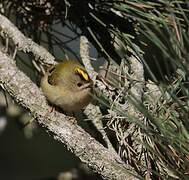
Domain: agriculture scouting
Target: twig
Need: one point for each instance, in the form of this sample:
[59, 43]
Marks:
[84, 53]
[23, 43]
[138, 73]
[93, 112]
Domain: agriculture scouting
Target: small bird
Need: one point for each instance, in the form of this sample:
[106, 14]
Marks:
[67, 85]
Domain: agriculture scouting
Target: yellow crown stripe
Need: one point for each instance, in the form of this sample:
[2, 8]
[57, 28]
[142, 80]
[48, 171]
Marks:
[82, 73]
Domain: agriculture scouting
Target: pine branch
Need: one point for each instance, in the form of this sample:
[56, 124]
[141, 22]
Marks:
[28, 95]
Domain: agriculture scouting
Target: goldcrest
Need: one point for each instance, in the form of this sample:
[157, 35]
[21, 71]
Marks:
[67, 85]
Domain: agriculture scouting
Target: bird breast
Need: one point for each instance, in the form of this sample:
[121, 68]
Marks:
[74, 101]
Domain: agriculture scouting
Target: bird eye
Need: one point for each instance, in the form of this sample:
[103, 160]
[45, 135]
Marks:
[79, 84]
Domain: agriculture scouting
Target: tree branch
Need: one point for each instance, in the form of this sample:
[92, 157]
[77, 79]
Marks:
[23, 43]
[93, 112]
